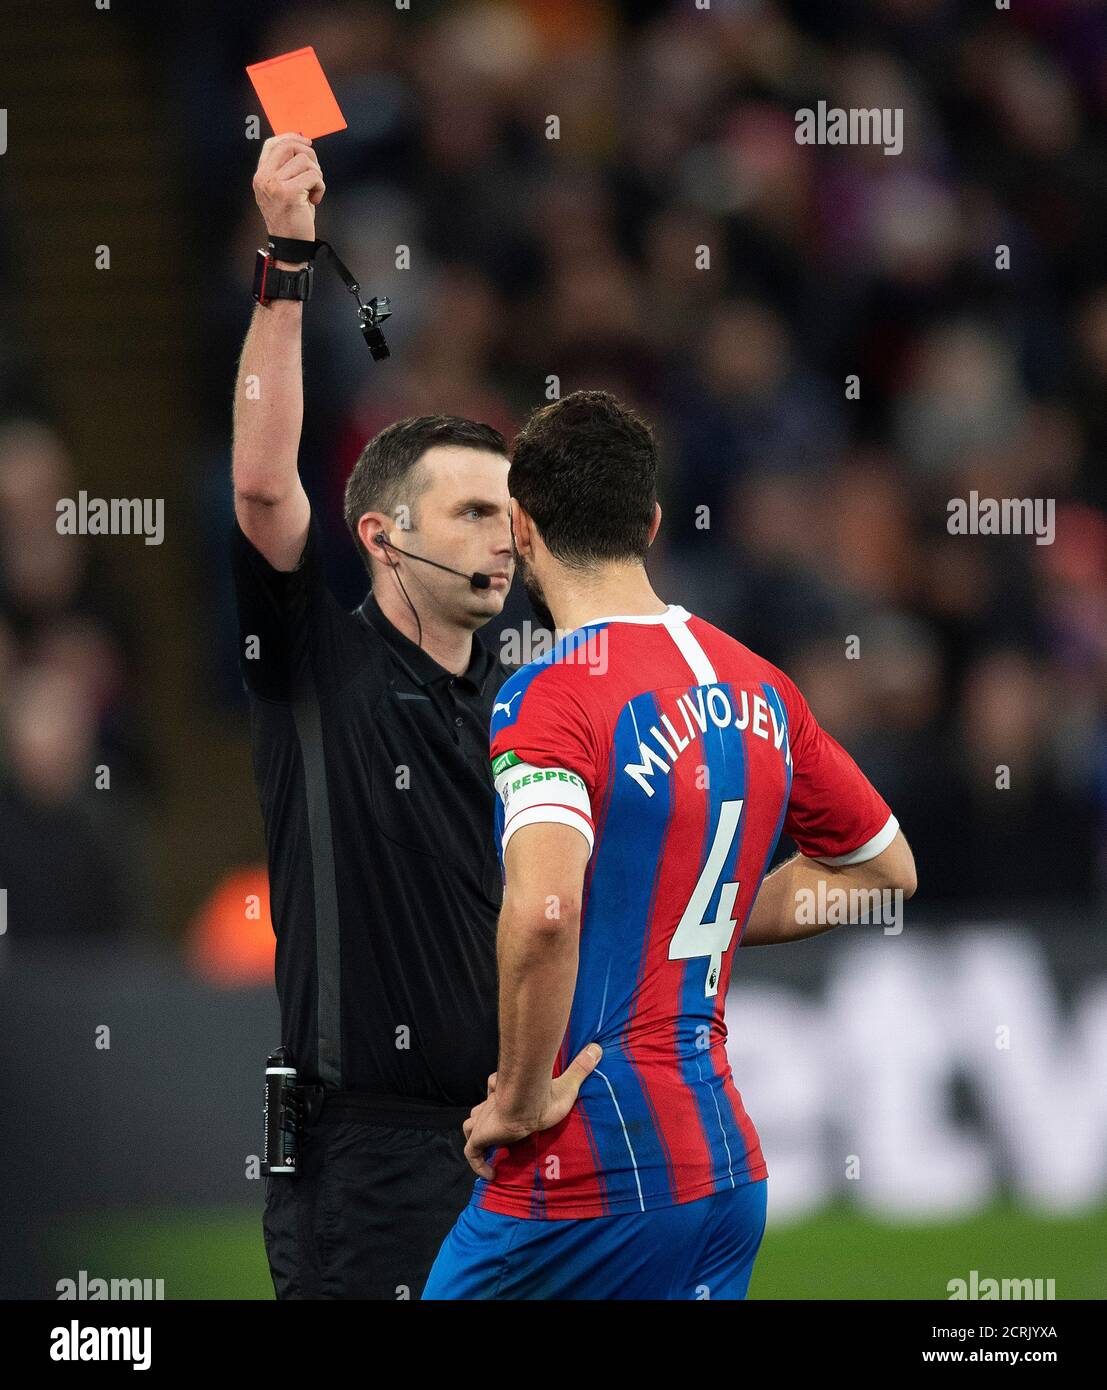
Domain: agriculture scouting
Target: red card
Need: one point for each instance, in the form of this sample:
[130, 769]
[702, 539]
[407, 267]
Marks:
[295, 94]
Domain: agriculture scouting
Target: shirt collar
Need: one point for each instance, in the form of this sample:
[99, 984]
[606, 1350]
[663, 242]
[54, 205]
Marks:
[673, 613]
[421, 664]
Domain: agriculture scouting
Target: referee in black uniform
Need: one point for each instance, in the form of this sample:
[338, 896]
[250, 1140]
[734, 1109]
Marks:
[370, 741]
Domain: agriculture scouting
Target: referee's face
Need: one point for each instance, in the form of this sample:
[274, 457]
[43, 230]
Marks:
[463, 522]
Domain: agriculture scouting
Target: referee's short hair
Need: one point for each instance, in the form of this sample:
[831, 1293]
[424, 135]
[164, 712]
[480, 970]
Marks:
[585, 470]
[387, 475]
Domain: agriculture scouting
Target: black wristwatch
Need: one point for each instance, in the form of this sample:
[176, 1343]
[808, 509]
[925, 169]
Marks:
[270, 282]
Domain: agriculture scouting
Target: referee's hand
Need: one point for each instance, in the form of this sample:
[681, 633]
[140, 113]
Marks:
[488, 1127]
[288, 186]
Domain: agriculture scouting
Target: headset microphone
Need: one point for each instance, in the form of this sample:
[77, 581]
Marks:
[477, 579]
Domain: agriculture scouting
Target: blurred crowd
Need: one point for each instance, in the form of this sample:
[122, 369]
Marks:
[676, 245]
[74, 771]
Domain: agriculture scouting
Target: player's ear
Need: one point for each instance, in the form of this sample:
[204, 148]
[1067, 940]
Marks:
[522, 530]
[655, 524]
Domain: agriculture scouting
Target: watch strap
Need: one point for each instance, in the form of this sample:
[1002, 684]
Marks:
[286, 248]
[270, 282]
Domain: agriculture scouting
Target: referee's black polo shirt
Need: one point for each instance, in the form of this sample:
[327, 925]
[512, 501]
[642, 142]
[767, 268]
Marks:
[372, 767]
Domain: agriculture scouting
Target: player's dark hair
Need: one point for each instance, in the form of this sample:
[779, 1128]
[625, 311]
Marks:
[585, 470]
[387, 474]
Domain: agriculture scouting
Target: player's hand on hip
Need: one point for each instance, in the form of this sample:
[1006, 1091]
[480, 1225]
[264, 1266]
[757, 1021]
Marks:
[288, 186]
[565, 1088]
[488, 1127]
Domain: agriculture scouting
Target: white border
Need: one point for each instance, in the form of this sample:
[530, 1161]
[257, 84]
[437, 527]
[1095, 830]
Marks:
[869, 850]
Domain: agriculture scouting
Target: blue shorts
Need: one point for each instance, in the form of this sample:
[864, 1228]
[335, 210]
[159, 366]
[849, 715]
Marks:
[695, 1250]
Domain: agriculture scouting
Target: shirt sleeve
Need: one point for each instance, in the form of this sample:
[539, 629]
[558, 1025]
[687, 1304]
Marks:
[835, 814]
[544, 755]
[280, 614]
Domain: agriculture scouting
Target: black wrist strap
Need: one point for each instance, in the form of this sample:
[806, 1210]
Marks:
[370, 316]
[286, 248]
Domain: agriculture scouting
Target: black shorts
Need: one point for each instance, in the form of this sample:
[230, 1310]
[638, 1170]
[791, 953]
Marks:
[372, 1203]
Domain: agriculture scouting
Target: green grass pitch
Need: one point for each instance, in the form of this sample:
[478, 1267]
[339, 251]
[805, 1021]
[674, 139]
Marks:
[837, 1254]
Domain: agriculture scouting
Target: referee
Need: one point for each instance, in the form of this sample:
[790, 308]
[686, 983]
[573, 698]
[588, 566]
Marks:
[370, 745]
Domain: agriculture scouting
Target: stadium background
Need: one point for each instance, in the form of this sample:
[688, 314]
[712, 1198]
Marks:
[826, 519]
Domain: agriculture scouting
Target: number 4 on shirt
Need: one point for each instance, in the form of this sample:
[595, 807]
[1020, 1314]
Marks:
[695, 937]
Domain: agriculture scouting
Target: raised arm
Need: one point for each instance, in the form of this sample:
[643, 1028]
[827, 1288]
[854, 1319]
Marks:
[269, 499]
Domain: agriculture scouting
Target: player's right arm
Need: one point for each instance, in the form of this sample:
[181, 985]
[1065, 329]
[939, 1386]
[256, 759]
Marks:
[269, 500]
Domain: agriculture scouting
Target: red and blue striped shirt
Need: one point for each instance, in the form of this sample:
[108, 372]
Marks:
[679, 754]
